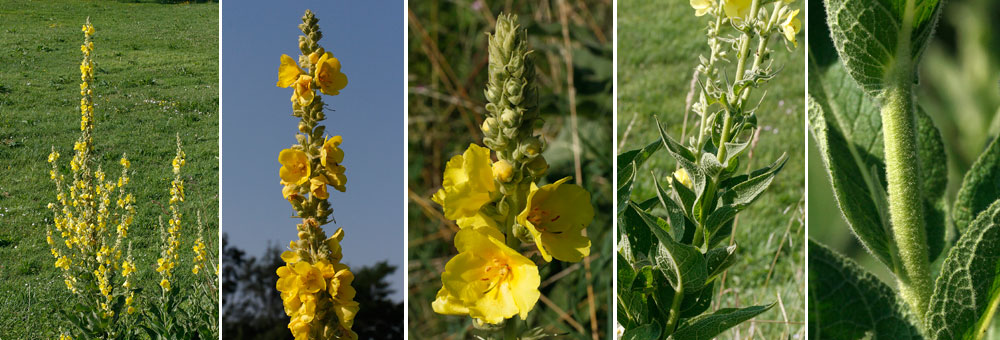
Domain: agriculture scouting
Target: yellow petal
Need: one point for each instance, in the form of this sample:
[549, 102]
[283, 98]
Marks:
[288, 71]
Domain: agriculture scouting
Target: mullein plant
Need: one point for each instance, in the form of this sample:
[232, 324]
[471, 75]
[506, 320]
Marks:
[499, 207]
[89, 237]
[315, 286]
[177, 313]
[668, 263]
[887, 164]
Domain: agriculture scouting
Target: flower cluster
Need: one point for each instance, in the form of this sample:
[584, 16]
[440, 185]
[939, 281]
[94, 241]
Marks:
[498, 205]
[315, 286]
[171, 235]
[90, 230]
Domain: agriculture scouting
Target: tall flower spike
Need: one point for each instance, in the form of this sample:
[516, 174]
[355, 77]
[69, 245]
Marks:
[315, 287]
[89, 232]
[513, 98]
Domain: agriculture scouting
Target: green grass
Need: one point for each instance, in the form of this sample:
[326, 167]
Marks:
[439, 129]
[156, 75]
[659, 44]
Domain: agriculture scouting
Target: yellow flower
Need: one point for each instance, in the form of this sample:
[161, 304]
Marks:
[736, 9]
[487, 280]
[295, 167]
[468, 182]
[289, 191]
[701, 7]
[346, 312]
[791, 26]
[503, 171]
[681, 175]
[328, 75]
[165, 284]
[556, 215]
[288, 71]
[290, 256]
[303, 94]
[476, 220]
[317, 187]
[331, 155]
[299, 328]
[63, 262]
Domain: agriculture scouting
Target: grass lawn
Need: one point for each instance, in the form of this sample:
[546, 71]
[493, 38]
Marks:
[156, 75]
[659, 44]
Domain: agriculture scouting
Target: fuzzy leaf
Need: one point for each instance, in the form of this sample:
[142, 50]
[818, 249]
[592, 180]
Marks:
[675, 214]
[847, 302]
[742, 194]
[650, 331]
[969, 283]
[628, 164]
[635, 229]
[719, 259]
[980, 187]
[869, 34]
[681, 264]
[706, 327]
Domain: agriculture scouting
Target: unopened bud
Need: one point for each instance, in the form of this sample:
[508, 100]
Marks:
[509, 117]
[503, 171]
[522, 233]
[303, 127]
[538, 166]
[487, 123]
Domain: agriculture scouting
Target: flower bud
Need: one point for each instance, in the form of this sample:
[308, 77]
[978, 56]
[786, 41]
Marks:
[522, 233]
[503, 171]
[303, 127]
[487, 123]
[509, 117]
[538, 166]
[531, 147]
[303, 235]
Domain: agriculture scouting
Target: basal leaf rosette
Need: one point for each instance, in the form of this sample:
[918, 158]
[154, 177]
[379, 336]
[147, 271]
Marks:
[487, 280]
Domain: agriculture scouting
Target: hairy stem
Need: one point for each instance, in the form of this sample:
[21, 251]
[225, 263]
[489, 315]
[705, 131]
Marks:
[903, 175]
[675, 310]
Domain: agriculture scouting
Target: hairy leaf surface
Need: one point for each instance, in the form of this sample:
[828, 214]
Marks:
[980, 187]
[846, 302]
[869, 34]
[969, 276]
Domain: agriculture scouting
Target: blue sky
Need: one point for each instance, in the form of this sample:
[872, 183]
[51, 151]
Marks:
[367, 37]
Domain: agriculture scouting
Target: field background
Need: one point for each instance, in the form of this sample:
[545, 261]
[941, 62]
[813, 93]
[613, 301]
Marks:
[959, 77]
[156, 75]
[447, 74]
[659, 43]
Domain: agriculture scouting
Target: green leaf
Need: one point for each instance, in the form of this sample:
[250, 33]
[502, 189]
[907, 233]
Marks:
[650, 331]
[980, 187]
[847, 302]
[850, 181]
[719, 259]
[706, 327]
[698, 302]
[626, 178]
[742, 194]
[635, 229]
[685, 159]
[628, 164]
[870, 34]
[968, 283]
[682, 264]
[633, 300]
[675, 214]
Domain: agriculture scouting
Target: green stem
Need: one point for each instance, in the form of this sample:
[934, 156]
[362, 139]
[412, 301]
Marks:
[902, 168]
[986, 321]
[905, 206]
[675, 310]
